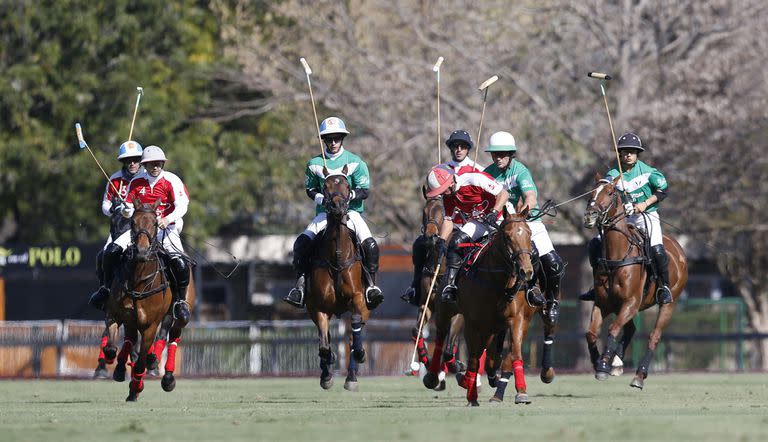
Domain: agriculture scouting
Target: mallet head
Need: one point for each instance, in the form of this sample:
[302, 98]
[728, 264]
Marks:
[488, 82]
[306, 66]
[415, 365]
[436, 67]
[80, 139]
[599, 75]
[140, 90]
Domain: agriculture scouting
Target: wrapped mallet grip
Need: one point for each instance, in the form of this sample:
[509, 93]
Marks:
[599, 75]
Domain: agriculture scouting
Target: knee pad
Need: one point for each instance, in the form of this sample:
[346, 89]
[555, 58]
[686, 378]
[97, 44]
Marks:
[371, 254]
[553, 264]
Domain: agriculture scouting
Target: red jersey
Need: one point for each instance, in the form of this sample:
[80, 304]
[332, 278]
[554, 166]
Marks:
[120, 182]
[475, 194]
[464, 166]
[167, 187]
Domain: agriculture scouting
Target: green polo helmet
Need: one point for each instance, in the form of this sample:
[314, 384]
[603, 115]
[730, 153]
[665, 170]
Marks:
[501, 142]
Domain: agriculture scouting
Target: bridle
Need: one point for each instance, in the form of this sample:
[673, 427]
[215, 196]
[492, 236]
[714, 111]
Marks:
[136, 232]
[604, 220]
[435, 222]
[338, 210]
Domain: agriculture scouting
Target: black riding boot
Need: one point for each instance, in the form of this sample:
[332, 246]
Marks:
[554, 268]
[180, 271]
[110, 258]
[418, 256]
[373, 295]
[661, 261]
[301, 249]
[453, 262]
[594, 247]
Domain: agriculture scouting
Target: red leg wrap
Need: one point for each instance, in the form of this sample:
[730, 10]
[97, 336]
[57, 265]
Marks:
[104, 340]
[137, 382]
[517, 367]
[159, 347]
[151, 348]
[421, 348]
[437, 355]
[170, 362]
[471, 380]
[481, 368]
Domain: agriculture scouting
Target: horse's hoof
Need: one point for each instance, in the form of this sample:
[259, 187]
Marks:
[601, 376]
[359, 356]
[473, 403]
[119, 373]
[350, 385]
[132, 397]
[493, 380]
[101, 373]
[617, 366]
[430, 380]
[522, 398]
[326, 383]
[637, 383]
[548, 375]
[496, 399]
[617, 371]
[168, 382]
[440, 386]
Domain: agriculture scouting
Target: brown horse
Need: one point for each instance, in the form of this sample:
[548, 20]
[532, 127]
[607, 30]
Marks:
[336, 281]
[142, 300]
[425, 260]
[623, 282]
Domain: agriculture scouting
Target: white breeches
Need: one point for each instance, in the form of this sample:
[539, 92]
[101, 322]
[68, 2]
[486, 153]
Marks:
[649, 223]
[474, 229]
[355, 222]
[109, 241]
[170, 238]
[540, 237]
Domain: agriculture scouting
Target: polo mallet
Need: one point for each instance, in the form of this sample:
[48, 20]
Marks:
[603, 78]
[483, 87]
[436, 68]
[84, 145]
[308, 71]
[135, 109]
[414, 364]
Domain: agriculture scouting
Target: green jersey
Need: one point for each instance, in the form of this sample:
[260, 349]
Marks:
[357, 173]
[516, 178]
[641, 182]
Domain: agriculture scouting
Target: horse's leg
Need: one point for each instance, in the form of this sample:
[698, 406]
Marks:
[174, 337]
[442, 326]
[503, 381]
[129, 340]
[453, 364]
[519, 330]
[156, 350]
[110, 349]
[357, 351]
[662, 320]
[417, 336]
[596, 320]
[140, 365]
[617, 365]
[493, 357]
[603, 367]
[547, 374]
[476, 344]
[327, 357]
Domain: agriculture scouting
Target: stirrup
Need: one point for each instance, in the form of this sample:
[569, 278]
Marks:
[99, 298]
[664, 295]
[410, 296]
[534, 298]
[449, 294]
[373, 297]
[178, 304]
[295, 297]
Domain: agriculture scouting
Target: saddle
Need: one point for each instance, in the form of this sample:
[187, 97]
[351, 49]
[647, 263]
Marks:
[641, 239]
[318, 261]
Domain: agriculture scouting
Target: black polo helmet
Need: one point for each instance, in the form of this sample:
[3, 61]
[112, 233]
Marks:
[457, 136]
[630, 141]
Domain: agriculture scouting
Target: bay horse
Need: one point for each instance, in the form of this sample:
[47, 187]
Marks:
[425, 262]
[623, 282]
[336, 281]
[141, 297]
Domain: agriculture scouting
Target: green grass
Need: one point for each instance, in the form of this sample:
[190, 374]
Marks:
[717, 407]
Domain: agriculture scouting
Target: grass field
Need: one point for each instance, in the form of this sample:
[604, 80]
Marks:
[717, 407]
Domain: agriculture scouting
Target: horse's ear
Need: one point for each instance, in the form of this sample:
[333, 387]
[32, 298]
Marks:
[505, 212]
[135, 201]
[424, 191]
[325, 172]
[524, 213]
[597, 177]
[344, 170]
[157, 203]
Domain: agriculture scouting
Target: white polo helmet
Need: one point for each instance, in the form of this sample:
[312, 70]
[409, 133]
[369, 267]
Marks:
[501, 142]
[333, 125]
[152, 153]
[129, 149]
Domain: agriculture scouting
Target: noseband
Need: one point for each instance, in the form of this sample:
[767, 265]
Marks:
[135, 233]
[603, 219]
